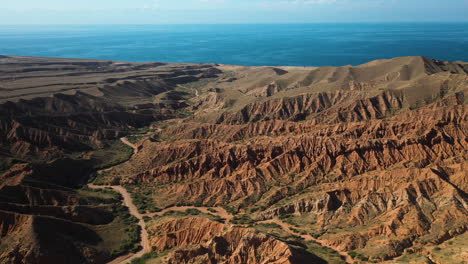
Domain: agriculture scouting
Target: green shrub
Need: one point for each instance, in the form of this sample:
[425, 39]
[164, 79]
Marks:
[133, 231]
[230, 209]
[270, 225]
[212, 210]
[285, 216]
[357, 255]
[242, 220]
[192, 211]
[143, 259]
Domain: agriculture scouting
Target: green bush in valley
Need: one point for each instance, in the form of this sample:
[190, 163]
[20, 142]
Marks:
[133, 232]
[285, 216]
[212, 210]
[143, 259]
[242, 220]
[230, 209]
[192, 211]
[357, 255]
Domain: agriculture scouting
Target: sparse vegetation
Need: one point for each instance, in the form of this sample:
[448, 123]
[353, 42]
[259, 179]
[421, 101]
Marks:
[230, 209]
[115, 153]
[216, 218]
[212, 210]
[142, 199]
[285, 216]
[328, 254]
[242, 220]
[100, 195]
[357, 255]
[270, 225]
[123, 234]
[193, 211]
[132, 230]
[7, 163]
[143, 259]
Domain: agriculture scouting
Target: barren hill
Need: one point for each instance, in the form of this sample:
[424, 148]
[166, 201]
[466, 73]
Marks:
[367, 162]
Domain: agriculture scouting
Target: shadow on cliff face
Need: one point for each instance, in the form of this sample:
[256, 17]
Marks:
[45, 219]
[65, 172]
[303, 256]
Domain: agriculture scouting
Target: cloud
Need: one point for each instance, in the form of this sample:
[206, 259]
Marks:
[211, 1]
[297, 2]
[317, 2]
[152, 5]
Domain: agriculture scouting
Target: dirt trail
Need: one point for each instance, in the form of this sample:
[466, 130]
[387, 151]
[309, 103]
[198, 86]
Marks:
[221, 212]
[128, 202]
[130, 144]
[287, 227]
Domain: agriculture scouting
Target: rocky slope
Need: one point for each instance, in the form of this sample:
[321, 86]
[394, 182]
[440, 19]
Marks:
[199, 240]
[43, 220]
[369, 159]
[51, 106]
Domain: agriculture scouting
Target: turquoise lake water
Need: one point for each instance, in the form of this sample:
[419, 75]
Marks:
[250, 44]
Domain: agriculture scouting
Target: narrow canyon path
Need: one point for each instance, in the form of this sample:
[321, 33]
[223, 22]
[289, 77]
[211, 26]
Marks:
[130, 144]
[128, 202]
[287, 227]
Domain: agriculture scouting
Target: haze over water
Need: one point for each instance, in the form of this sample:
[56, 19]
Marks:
[246, 44]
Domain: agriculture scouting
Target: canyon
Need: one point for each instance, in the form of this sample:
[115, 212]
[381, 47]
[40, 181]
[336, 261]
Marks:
[212, 163]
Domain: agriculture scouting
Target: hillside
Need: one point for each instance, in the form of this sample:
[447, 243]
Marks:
[361, 164]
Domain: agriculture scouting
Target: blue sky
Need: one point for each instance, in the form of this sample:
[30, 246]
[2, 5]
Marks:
[228, 11]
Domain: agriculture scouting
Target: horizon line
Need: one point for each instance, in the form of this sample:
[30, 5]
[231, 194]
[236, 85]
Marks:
[239, 23]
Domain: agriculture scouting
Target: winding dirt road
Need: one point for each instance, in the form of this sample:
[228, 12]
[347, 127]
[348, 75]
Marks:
[130, 144]
[287, 227]
[128, 202]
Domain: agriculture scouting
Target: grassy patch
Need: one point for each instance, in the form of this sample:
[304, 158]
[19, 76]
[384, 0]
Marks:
[122, 235]
[270, 225]
[242, 220]
[142, 198]
[411, 258]
[144, 259]
[452, 251]
[193, 212]
[328, 254]
[357, 255]
[231, 210]
[7, 163]
[273, 230]
[113, 154]
[100, 195]
[132, 231]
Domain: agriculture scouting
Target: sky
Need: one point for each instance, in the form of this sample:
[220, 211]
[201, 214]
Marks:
[228, 11]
